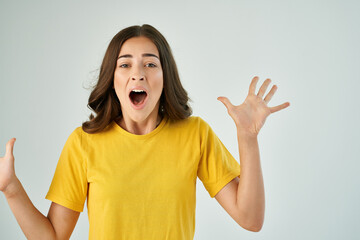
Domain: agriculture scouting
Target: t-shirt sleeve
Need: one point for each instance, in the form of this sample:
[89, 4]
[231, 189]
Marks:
[217, 166]
[69, 185]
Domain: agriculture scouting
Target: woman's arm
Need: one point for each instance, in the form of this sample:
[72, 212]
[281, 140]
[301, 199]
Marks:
[60, 221]
[250, 192]
[249, 117]
[32, 222]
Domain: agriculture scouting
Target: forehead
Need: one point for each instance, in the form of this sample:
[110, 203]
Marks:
[138, 45]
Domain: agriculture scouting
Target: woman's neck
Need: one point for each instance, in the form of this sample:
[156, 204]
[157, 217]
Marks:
[139, 128]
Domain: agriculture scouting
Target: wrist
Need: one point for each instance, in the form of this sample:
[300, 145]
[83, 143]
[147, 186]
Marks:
[13, 188]
[245, 135]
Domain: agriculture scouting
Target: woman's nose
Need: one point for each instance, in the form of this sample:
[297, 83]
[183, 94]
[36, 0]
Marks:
[140, 78]
[138, 73]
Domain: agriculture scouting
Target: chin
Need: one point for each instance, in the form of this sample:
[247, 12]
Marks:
[142, 114]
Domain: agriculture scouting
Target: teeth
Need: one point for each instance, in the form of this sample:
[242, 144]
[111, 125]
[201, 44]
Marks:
[136, 90]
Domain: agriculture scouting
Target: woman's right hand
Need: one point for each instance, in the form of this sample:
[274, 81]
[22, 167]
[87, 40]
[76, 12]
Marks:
[7, 170]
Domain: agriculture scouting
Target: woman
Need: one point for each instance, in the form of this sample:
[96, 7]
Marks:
[136, 162]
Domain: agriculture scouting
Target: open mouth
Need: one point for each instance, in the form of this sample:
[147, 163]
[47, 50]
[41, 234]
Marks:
[137, 97]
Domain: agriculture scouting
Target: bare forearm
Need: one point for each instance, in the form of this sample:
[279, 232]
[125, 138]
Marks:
[250, 194]
[32, 222]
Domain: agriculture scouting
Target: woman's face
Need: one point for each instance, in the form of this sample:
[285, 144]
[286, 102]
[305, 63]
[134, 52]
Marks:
[138, 79]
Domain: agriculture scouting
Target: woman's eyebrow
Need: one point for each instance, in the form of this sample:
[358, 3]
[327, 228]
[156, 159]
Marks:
[144, 55]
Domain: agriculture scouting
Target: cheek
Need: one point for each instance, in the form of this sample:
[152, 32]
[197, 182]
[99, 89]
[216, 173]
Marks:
[119, 81]
[159, 83]
[119, 89]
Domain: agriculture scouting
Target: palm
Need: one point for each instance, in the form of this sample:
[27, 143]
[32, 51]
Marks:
[7, 171]
[250, 116]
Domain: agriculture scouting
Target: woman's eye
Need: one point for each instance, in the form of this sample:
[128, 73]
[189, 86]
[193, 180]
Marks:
[123, 65]
[152, 65]
[126, 65]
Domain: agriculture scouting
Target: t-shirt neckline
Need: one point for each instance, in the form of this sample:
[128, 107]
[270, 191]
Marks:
[144, 136]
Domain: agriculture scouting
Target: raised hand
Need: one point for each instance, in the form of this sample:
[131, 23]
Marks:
[7, 170]
[250, 116]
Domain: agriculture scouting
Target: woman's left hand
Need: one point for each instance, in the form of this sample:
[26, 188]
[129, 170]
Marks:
[250, 116]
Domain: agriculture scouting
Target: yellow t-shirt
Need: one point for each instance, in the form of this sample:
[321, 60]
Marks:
[141, 186]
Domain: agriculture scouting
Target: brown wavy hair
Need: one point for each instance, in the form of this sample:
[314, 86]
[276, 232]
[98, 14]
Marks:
[103, 99]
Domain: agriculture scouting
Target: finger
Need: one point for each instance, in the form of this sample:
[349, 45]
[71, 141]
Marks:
[263, 88]
[10, 147]
[279, 107]
[253, 85]
[270, 94]
[225, 101]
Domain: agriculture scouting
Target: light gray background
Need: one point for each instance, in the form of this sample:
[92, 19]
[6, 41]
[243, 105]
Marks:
[51, 52]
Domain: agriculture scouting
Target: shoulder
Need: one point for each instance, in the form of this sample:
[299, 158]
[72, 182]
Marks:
[198, 122]
[77, 137]
[192, 125]
[77, 134]
[190, 122]
[74, 139]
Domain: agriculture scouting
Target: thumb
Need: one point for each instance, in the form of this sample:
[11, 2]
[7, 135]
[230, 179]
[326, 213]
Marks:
[10, 147]
[225, 101]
